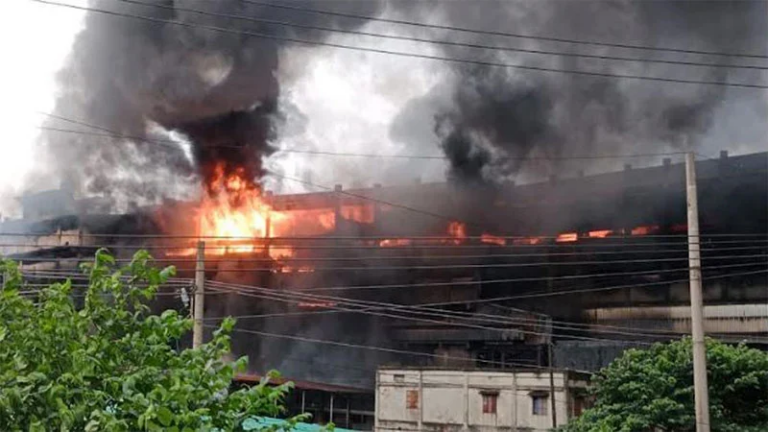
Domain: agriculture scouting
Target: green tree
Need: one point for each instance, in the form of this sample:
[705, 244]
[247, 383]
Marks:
[111, 365]
[652, 390]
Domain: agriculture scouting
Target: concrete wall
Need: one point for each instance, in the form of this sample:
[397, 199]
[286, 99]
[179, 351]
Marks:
[739, 319]
[451, 400]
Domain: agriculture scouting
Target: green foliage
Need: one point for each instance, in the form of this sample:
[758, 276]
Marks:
[650, 390]
[111, 365]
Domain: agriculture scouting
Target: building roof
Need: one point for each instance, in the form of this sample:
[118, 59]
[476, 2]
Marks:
[536, 370]
[302, 385]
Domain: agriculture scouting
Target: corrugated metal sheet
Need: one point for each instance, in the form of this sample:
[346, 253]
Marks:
[736, 319]
[679, 312]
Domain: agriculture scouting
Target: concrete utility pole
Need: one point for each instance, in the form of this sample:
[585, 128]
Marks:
[552, 385]
[199, 302]
[700, 386]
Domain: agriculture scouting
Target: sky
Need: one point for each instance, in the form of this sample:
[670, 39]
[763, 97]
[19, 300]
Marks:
[335, 100]
[38, 37]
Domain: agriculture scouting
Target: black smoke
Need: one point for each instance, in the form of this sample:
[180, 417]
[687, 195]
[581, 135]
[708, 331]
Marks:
[491, 123]
[218, 90]
[501, 122]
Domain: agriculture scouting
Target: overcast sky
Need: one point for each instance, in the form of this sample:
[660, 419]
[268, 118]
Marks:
[34, 41]
[334, 100]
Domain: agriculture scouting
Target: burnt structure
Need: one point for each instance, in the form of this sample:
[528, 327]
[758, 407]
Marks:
[517, 246]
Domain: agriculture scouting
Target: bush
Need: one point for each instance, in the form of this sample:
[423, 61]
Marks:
[650, 390]
[111, 365]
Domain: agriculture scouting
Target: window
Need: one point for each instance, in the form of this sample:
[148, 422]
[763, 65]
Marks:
[412, 399]
[490, 400]
[539, 402]
[578, 405]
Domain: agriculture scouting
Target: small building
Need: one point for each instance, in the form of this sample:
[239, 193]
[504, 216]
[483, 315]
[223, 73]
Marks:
[476, 400]
[344, 406]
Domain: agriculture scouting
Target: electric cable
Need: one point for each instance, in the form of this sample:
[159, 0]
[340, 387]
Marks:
[400, 53]
[229, 16]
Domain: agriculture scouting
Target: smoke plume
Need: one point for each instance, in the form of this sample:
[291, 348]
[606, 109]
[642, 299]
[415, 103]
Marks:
[218, 91]
[501, 123]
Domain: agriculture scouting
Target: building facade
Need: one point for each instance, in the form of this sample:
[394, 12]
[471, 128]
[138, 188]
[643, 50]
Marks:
[409, 399]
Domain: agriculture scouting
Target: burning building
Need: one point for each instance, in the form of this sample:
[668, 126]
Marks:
[475, 270]
[581, 263]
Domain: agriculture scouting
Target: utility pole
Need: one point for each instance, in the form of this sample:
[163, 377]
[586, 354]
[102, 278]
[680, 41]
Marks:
[552, 385]
[700, 387]
[199, 302]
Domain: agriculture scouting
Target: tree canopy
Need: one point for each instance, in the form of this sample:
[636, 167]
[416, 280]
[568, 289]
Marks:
[109, 364]
[652, 390]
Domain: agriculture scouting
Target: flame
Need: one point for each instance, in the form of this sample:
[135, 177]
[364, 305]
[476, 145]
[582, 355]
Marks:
[234, 207]
[492, 239]
[530, 241]
[395, 242]
[358, 213]
[567, 237]
[458, 231]
[645, 230]
[289, 269]
[317, 305]
[599, 233]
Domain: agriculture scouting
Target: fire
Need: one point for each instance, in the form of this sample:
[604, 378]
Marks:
[289, 269]
[395, 242]
[317, 305]
[529, 241]
[679, 228]
[599, 233]
[234, 207]
[567, 237]
[458, 231]
[492, 239]
[358, 213]
[645, 230]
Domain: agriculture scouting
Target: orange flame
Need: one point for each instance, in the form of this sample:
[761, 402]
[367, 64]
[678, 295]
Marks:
[567, 237]
[289, 269]
[317, 305]
[233, 206]
[395, 242]
[358, 213]
[599, 233]
[645, 230]
[492, 239]
[458, 231]
[530, 241]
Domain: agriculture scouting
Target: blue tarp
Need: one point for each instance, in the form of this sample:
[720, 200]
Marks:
[257, 423]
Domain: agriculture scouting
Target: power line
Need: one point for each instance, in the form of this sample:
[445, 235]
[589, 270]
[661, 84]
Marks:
[619, 237]
[504, 281]
[497, 319]
[371, 347]
[439, 42]
[590, 290]
[391, 204]
[499, 33]
[479, 317]
[531, 295]
[389, 306]
[405, 257]
[275, 295]
[175, 144]
[502, 265]
[637, 246]
[402, 54]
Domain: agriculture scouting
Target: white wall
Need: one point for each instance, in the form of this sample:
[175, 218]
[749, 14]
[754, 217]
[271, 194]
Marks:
[452, 400]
